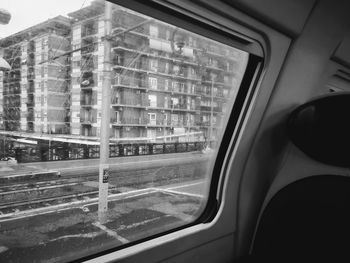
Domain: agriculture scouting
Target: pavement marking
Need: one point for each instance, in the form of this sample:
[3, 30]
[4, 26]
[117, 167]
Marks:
[186, 185]
[77, 204]
[88, 235]
[171, 189]
[181, 193]
[70, 205]
[3, 249]
[123, 227]
[111, 233]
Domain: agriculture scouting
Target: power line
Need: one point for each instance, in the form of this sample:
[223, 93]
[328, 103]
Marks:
[93, 43]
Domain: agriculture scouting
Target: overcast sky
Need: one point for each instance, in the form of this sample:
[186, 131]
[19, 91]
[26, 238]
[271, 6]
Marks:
[26, 13]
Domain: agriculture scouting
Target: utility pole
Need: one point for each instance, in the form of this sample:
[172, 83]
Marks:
[211, 110]
[105, 118]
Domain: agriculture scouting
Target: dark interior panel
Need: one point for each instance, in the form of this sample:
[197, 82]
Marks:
[320, 129]
[306, 221]
[342, 53]
[284, 15]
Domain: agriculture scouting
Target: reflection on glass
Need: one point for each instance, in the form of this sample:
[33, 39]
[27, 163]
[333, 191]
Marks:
[171, 92]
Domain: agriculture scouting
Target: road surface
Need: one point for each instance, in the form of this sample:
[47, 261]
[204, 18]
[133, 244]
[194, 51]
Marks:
[67, 233]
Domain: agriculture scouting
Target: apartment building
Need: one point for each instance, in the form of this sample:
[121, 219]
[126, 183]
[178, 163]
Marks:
[167, 84]
[34, 94]
[164, 82]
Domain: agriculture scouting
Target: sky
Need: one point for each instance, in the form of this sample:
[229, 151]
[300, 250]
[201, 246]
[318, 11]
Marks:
[25, 13]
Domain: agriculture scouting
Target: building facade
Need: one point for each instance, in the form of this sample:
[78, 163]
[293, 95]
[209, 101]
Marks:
[167, 84]
[35, 92]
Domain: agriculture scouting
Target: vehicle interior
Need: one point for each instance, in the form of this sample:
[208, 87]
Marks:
[282, 189]
[280, 176]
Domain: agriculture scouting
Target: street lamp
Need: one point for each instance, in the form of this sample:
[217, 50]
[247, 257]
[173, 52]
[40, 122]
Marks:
[5, 16]
[177, 41]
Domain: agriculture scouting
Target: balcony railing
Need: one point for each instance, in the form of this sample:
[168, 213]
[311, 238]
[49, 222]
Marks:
[89, 32]
[30, 103]
[88, 48]
[87, 120]
[136, 102]
[131, 121]
[87, 102]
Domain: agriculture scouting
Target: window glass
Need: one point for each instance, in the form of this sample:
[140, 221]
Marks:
[160, 124]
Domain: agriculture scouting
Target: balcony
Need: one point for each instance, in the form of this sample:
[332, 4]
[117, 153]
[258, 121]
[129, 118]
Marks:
[133, 102]
[31, 60]
[30, 88]
[218, 109]
[219, 95]
[130, 82]
[88, 48]
[30, 103]
[30, 116]
[87, 103]
[87, 83]
[89, 28]
[130, 121]
[136, 67]
[205, 106]
[159, 123]
[124, 45]
[87, 120]
[89, 32]
[203, 123]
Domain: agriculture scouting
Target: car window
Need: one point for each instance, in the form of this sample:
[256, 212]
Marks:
[108, 127]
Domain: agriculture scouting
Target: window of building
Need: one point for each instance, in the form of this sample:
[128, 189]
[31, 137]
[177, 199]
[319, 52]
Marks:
[154, 65]
[181, 87]
[226, 79]
[152, 116]
[176, 86]
[174, 102]
[67, 217]
[193, 71]
[153, 31]
[153, 83]
[167, 34]
[194, 42]
[228, 66]
[174, 119]
[152, 99]
[225, 92]
[76, 64]
[76, 46]
[152, 119]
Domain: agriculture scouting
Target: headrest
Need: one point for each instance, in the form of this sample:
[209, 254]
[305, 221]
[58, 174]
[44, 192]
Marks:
[321, 129]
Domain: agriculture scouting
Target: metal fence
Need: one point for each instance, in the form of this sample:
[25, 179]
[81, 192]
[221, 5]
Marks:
[66, 151]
